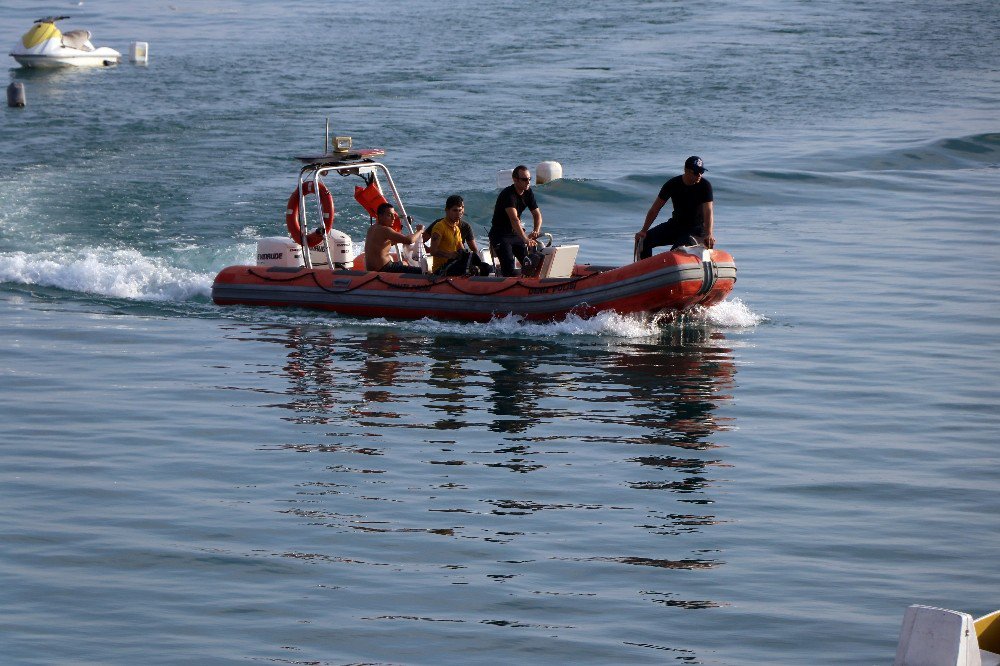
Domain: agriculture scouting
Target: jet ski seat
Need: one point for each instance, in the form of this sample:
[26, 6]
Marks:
[77, 39]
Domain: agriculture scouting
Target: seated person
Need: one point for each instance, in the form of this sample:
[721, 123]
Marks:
[381, 236]
[447, 236]
[508, 238]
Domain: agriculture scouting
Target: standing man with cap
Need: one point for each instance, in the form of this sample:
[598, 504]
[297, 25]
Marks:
[692, 216]
[507, 234]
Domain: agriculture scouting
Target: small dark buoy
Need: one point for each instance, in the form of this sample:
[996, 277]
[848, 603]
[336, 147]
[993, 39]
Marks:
[15, 94]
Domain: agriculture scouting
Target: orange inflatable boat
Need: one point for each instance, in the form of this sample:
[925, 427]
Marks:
[329, 277]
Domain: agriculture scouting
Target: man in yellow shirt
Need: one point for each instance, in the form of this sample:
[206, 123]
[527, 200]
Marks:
[446, 235]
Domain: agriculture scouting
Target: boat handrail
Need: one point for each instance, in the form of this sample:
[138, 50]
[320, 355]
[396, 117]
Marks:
[304, 229]
[319, 169]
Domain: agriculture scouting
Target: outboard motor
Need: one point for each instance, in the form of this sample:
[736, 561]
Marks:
[278, 252]
[341, 249]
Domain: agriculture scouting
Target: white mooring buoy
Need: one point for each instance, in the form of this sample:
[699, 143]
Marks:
[139, 53]
[15, 94]
[547, 171]
[503, 177]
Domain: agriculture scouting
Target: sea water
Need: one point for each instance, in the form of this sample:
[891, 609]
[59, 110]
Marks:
[770, 481]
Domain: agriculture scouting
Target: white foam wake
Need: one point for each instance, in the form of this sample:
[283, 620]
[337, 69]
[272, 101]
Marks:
[604, 324]
[116, 273]
[733, 314]
[728, 314]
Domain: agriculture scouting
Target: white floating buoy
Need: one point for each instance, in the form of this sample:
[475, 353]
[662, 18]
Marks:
[15, 94]
[503, 177]
[547, 171]
[139, 53]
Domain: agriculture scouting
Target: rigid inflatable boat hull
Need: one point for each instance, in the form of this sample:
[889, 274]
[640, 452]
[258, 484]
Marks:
[671, 281]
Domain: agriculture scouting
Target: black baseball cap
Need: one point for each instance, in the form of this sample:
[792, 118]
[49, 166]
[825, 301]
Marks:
[695, 164]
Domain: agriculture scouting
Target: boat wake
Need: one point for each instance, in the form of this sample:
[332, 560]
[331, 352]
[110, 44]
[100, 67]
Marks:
[732, 313]
[604, 324]
[729, 314]
[126, 274]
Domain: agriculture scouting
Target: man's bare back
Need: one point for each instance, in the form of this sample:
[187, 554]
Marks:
[381, 236]
[377, 244]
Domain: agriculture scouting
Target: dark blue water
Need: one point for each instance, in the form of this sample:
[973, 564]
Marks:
[771, 481]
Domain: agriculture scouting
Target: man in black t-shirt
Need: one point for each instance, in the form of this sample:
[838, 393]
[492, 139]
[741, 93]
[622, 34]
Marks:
[507, 235]
[692, 216]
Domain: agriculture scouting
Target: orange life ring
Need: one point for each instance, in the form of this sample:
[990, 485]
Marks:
[292, 213]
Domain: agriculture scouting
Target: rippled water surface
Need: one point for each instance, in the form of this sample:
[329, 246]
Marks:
[770, 481]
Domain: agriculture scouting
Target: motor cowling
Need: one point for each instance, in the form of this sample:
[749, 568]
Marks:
[279, 252]
[341, 249]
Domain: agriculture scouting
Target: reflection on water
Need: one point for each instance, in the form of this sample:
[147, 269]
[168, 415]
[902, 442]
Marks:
[663, 392]
[610, 442]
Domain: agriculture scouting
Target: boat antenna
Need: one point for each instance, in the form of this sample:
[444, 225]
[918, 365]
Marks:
[326, 145]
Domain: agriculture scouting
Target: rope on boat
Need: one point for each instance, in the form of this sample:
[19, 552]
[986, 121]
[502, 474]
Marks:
[519, 282]
[421, 287]
[312, 274]
[271, 279]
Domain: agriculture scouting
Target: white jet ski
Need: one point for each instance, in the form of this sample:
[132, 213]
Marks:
[47, 46]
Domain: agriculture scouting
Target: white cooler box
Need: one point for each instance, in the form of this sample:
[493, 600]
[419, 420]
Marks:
[558, 261]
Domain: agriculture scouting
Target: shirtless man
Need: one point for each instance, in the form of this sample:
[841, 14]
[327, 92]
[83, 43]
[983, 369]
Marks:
[381, 236]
